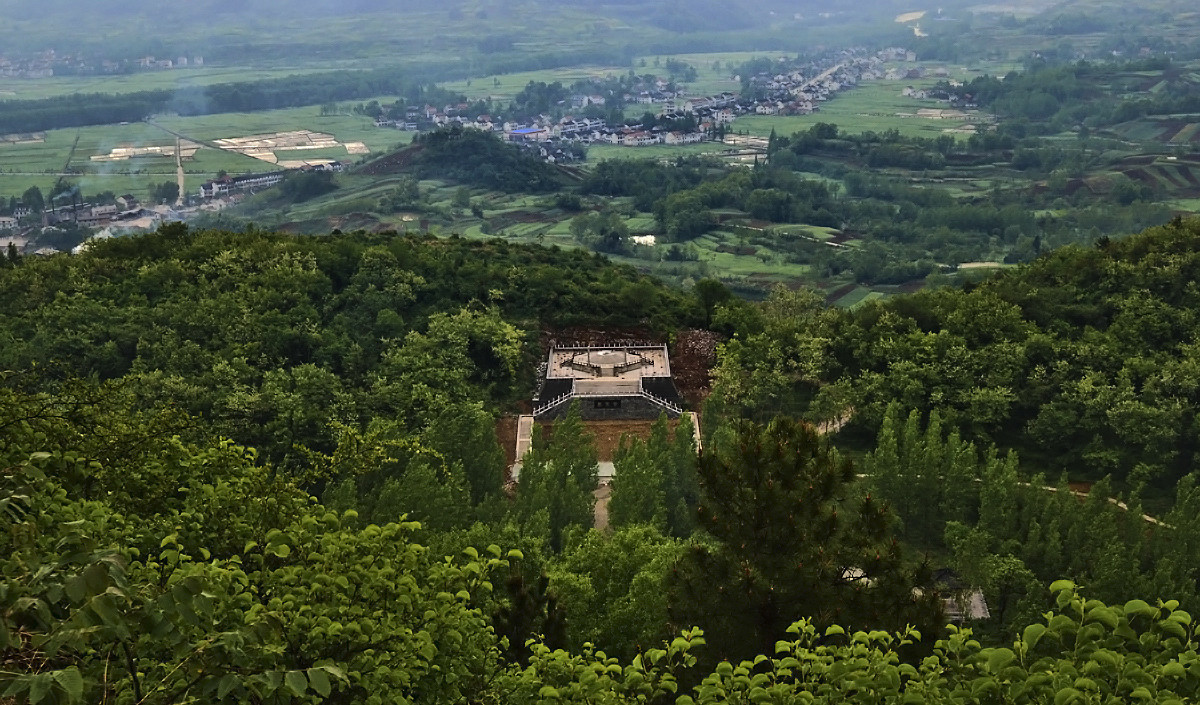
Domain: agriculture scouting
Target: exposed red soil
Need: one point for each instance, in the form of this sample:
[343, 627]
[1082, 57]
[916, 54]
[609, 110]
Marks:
[525, 217]
[1083, 487]
[506, 433]
[746, 250]
[392, 163]
[1170, 176]
[573, 173]
[838, 293]
[1075, 184]
[597, 335]
[1169, 128]
[1141, 175]
[358, 221]
[607, 434]
[842, 236]
[692, 360]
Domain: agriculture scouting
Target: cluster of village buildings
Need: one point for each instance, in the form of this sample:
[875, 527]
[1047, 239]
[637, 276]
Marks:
[37, 66]
[249, 183]
[45, 64]
[152, 62]
[126, 215]
[125, 211]
[791, 91]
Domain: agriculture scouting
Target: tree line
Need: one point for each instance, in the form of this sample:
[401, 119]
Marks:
[79, 110]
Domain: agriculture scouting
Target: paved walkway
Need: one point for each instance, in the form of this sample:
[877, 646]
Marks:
[524, 441]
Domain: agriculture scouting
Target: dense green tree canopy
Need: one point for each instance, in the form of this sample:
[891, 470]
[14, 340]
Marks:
[146, 558]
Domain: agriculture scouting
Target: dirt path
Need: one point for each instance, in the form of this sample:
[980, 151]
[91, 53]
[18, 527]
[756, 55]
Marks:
[827, 428]
[603, 495]
[179, 178]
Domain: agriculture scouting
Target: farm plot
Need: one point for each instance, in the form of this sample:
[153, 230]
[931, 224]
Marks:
[1186, 134]
[187, 150]
[344, 128]
[525, 230]
[873, 106]
[855, 297]
[1176, 130]
[23, 138]
[267, 147]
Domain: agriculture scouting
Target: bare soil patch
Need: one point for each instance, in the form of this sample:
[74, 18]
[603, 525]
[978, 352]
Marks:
[1172, 178]
[692, 359]
[843, 236]
[506, 433]
[393, 163]
[597, 336]
[1136, 174]
[839, 292]
[525, 217]
[607, 434]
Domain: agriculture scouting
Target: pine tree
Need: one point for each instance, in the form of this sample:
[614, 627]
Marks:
[655, 480]
[465, 435]
[681, 488]
[637, 487]
[791, 538]
[960, 491]
[998, 503]
[558, 479]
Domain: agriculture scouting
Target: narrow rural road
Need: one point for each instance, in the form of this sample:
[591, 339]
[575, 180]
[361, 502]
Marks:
[179, 178]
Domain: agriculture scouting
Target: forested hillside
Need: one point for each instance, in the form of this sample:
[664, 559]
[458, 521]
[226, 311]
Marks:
[1082, 361]
[254, 468]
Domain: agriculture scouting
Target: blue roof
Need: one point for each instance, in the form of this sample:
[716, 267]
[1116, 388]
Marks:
[526, 130]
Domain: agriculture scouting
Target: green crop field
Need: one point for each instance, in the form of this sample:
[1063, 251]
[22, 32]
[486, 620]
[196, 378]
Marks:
[346, 128]
[1186, 134]
[504, 87]
[28, 89]
[600, 152]
[41, 163]
[762, 264]
[814, 231]
[856, 297]
[709, 81]
[874, 106]
[640, 224]
[1190, 205]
